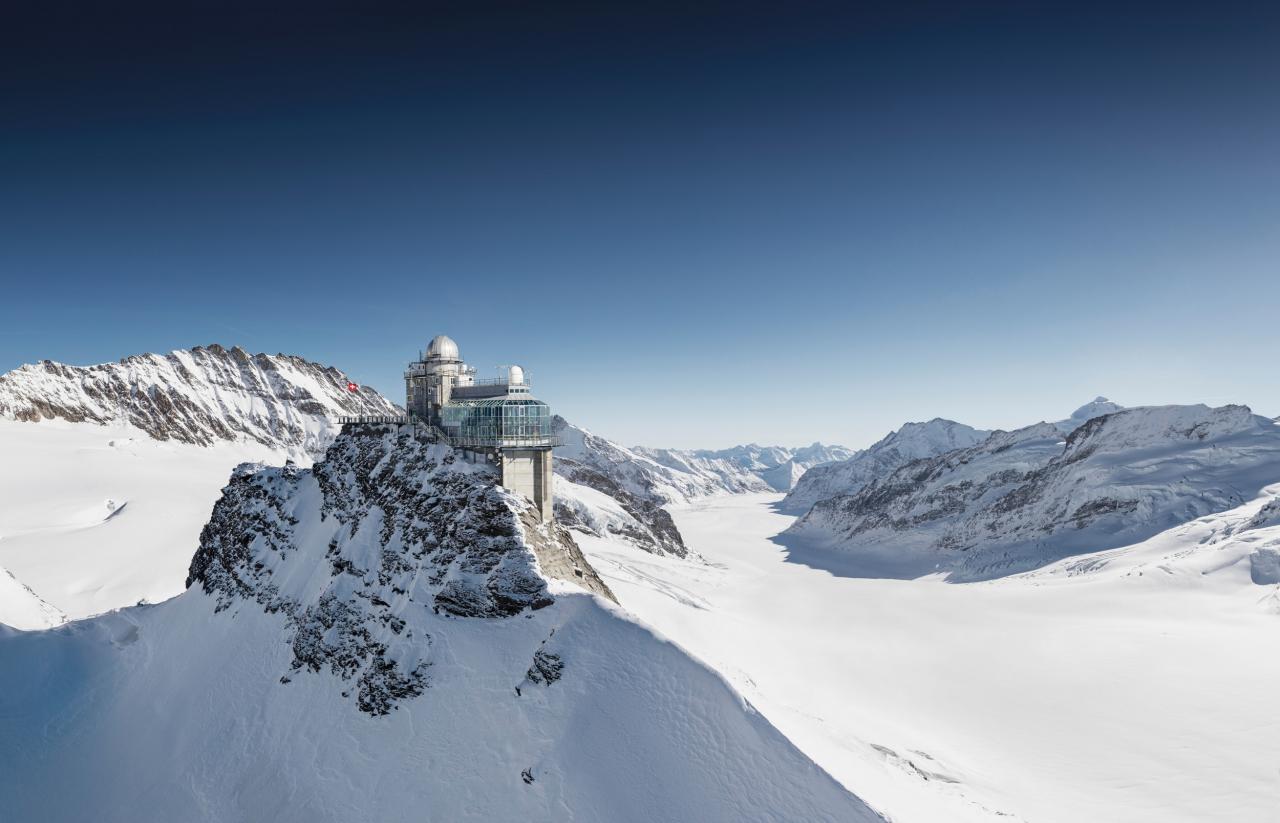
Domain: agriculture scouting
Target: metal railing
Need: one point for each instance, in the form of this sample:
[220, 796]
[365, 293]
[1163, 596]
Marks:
[460, 441]
[398, 420]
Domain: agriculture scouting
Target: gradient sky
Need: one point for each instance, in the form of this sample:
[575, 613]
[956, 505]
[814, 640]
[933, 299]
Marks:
[693, 225]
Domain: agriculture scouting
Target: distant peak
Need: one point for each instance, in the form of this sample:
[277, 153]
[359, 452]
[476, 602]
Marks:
[1096, 407]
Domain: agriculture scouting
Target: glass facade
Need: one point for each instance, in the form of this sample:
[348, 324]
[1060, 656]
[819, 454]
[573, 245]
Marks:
[498, 421]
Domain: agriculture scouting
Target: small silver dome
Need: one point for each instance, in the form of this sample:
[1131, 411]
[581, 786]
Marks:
[443, 348]
[515, 376]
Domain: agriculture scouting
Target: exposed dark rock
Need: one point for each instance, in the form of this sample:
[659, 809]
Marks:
[546, 668]
[405, 526]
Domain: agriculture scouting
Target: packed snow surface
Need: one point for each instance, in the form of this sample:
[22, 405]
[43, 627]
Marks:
[1132, 685]
[378, 639]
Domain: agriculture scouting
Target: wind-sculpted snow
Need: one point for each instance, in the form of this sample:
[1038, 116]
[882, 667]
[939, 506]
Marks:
[380, 638]
[203, 395]
[1025, 498]
[911, 442]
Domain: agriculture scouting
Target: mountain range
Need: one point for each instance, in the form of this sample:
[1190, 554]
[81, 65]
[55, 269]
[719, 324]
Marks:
[201, 396]
[1018, 500]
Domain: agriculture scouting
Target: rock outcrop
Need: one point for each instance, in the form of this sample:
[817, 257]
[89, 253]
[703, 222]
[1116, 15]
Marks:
[409, 525]
[375, 636]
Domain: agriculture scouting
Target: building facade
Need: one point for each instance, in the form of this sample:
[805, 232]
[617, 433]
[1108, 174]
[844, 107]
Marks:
[498, 420]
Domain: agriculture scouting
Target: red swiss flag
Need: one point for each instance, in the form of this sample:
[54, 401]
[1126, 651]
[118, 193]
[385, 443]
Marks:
[352, 387]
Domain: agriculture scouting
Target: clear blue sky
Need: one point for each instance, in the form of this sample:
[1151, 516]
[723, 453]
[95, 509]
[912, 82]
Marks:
[695, 226]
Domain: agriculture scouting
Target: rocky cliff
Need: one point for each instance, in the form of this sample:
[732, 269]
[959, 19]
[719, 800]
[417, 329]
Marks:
[202, 396]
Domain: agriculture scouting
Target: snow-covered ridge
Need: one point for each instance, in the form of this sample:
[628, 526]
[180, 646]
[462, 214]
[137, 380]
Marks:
[911, 442]
[1097, 407]
[202, 396]
[1022, 499]
[22, 608]
[740, 468]
[371, 637]
[607, 489]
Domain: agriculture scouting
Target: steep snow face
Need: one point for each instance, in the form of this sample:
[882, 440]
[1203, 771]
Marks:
[22, 608]
[589, 501]
[1020, 500]
[372, 638]
[637, 484]
[911, 442]
[201, 396]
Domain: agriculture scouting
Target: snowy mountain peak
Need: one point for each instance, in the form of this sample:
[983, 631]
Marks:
[931, 435]
[201, 395]
[1094, 408]
[910, 442]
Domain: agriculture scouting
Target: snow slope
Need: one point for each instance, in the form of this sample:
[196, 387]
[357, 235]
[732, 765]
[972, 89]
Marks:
[95, 517]
[911, 442]
[1022, 499]
[378, 639]
[1133, 685]
[202, 396]
[22, 608]
[111, 470]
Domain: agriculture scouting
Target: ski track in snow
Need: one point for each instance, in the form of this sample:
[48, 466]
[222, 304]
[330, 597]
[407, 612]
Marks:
[1136, 684]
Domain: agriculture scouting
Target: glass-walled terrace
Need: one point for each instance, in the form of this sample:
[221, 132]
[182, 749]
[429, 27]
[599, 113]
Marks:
[498, 421]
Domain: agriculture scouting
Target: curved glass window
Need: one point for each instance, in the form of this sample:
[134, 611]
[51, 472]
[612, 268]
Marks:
[498, 421]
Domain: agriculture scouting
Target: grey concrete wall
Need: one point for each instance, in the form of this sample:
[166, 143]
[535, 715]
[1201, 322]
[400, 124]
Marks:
[528, 472]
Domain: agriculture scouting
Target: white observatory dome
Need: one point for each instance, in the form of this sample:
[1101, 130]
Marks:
[443, 348]
[515, 376]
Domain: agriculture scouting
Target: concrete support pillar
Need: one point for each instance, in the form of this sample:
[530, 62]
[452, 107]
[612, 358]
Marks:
[528, 472]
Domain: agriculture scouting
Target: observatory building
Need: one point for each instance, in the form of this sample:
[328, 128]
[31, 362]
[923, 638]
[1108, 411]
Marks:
[497, 420]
